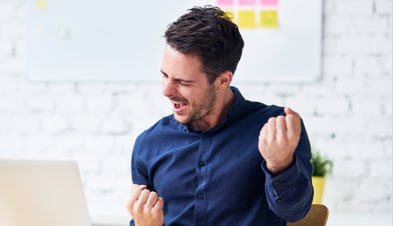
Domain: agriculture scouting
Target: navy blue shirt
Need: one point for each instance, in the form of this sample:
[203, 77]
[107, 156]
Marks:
[218, 177]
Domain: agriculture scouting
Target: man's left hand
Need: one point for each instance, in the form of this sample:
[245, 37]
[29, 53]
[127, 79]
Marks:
[278, 140]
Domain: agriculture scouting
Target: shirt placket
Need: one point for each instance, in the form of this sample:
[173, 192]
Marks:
[201, 196]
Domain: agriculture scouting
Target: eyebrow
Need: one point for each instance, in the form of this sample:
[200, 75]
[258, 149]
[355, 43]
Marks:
[178, 79]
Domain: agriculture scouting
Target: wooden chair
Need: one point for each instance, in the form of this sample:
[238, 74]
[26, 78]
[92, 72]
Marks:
[317, 216]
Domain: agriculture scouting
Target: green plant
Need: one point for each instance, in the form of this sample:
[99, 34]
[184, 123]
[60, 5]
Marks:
[321, 165]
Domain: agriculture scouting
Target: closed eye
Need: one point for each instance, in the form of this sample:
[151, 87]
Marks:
[184, 82]
[179, 81]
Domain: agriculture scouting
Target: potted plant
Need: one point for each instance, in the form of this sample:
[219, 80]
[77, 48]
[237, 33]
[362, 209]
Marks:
[321, 167]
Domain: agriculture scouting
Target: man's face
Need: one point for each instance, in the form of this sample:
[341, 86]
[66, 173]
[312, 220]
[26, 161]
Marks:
[187, 87]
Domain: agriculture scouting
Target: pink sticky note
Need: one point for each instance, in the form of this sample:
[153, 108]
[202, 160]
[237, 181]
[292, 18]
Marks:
[269, 2]
[224, 2]
[246, 2]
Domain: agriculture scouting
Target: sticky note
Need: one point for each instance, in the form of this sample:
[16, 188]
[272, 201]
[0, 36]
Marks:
[41, 4]
[269, 18]
[246, 19]
[269, 2]
[224, 2]
[246, 2]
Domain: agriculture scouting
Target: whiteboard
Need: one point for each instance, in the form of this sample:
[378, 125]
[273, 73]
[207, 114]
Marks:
[120, 40]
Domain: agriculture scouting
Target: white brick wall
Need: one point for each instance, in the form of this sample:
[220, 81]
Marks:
[348, 112]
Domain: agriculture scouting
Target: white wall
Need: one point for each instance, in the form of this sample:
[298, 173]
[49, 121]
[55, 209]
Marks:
[348, 113]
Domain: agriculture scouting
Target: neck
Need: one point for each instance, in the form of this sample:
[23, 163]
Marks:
[223, 103]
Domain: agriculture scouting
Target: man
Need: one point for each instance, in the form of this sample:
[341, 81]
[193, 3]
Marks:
[218, 159]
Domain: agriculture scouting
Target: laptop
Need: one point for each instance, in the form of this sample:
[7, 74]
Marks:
[41, 193]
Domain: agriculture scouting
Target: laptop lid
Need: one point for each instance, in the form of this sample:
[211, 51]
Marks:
[41, 193]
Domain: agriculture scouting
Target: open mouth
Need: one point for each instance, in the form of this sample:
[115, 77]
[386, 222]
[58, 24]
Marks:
[179, 106]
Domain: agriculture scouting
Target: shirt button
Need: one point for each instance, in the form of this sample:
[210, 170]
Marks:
[201, 164]
[200, 196]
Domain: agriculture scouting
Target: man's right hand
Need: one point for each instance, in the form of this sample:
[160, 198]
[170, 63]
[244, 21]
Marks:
[145, 206]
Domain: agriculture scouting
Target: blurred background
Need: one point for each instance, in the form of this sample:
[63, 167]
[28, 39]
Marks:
[347, 109]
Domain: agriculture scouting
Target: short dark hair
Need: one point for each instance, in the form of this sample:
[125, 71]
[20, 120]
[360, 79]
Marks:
[208, 33]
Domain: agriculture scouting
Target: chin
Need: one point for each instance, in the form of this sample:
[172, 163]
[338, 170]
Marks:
[182, 120]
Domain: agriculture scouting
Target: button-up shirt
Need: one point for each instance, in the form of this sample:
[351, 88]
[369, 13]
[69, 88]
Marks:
[218, 177]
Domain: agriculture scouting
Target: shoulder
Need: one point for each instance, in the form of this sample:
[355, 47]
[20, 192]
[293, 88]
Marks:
[243, 107]
[263, 110]
[147, 140]
[156, 128]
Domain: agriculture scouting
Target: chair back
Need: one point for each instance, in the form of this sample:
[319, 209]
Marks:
[317, 216]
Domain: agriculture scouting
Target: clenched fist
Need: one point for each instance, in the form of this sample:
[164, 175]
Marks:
[278, 140]
[145, 206]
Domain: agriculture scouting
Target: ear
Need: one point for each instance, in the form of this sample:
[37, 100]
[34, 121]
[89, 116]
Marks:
[224, 80]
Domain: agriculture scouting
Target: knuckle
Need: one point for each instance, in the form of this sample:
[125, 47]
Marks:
[280, 118]
[138, 208]
[153, 194]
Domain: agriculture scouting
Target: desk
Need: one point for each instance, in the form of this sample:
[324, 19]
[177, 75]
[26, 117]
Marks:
[354, 219]
[335, 219]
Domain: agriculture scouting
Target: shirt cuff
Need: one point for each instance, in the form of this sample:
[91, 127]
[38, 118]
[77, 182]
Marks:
[284, 178]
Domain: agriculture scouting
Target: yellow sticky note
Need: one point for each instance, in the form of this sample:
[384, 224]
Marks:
[269, 18]
[246, 19]
[41, 4]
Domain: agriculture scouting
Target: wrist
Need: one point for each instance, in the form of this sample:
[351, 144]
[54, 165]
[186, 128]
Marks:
[275, 168]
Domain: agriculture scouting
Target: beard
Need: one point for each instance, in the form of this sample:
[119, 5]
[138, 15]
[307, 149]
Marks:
[201, 108]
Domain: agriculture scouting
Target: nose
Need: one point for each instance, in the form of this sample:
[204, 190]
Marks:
[168, 88]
